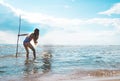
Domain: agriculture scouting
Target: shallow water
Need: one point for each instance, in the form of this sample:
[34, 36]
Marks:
[64, 59]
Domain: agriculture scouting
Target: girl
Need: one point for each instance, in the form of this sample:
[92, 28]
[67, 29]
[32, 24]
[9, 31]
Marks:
[33, 36]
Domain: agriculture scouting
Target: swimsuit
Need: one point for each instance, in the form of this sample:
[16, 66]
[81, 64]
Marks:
[27, 39]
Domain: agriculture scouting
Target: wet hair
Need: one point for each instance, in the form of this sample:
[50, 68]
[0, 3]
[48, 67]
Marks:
[36, 30]
[36, 33]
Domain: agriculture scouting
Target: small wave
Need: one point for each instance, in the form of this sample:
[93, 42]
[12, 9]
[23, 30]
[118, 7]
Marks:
[2, 71]
[10, 56]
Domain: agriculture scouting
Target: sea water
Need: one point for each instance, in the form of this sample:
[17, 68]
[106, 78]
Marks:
[64, 59]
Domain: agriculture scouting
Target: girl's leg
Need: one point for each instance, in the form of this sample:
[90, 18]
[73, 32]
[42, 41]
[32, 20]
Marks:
[33, 49]
[26, 48]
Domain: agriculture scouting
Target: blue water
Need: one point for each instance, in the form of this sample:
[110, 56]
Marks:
[64, 59]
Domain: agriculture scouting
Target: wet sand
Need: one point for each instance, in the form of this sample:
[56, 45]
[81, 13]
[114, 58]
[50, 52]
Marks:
[79, 75]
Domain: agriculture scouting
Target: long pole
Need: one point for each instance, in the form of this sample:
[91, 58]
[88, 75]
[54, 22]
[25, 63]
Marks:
[18, 36]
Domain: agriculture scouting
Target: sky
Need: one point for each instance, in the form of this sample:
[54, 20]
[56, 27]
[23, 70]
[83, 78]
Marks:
[62, 22]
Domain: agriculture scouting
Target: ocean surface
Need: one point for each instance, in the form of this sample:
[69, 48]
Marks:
[63, 59]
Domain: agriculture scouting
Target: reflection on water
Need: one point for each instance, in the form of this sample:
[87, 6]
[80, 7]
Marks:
[30, 67]
[46, 65]
[33, 66]
[46, 59]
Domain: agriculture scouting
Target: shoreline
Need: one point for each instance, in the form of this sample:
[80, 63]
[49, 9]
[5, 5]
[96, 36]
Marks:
[78, 75]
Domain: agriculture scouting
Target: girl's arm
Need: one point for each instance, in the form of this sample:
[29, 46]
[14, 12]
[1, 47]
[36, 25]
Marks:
[35, 39]
[22, 34]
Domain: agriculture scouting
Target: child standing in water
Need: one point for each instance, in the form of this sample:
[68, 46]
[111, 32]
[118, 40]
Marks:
[33, 36]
